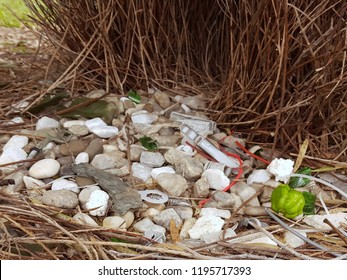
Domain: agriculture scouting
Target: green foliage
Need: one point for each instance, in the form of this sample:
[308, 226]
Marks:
[310, 200]
[134, 96]
[149, 143]
[7, 8]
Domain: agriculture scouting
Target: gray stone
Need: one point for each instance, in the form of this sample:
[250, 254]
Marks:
[183, 211]
[135, 152]
[222, 200]
[103, 161]
[163, 99]
[189, 168]
[141, 171]
[78, 130]
[210, 211]
[124, 197]
[46, 123]
[73, 148]
[187, 225]
[173, 184]
[146, 224]
[164, 218]
[61, 199]
[84, 219]
[152, 159]
[201, 188]
[245, 192]
[94, 148]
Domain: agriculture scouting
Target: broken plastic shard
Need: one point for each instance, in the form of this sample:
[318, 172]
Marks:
[154, 196]
[200, 125]
[208, 147]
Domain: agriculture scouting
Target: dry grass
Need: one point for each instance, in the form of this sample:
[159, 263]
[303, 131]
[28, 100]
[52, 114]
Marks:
[273, 70]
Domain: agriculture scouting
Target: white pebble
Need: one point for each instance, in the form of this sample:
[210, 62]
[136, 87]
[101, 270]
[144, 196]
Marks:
[205, 225]
[46, 123]
[146, 224]
[32, 183]
[84, 195]
[258, 176]
[99, 200]
[63, 184]
[84, 219]
[160, 170]
[16, 120]
[141, 171]
[68, 124]
[216, 179]
[114, 222]
[104, 131]
[143, 117]
[12, 154]
[44, 168]
[82, 158]
[17, 142]
[215, 212]
[96, 122]
[152, 159]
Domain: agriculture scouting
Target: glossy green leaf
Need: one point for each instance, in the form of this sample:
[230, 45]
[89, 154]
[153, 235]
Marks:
[48, 101]
[297, 182]
[134, 96]
[100, 108]
[310, 200]
[149, 143]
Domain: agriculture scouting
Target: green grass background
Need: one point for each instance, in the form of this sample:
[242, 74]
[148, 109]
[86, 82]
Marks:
[7, 18]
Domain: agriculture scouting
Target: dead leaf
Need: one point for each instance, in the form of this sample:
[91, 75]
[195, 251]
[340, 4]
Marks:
[301, 155]
[174, 232]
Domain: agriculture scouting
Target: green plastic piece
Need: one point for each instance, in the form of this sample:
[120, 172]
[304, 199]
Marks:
[287, 201]
[149, 143]
[297, 182]
[134, 96]
[310, 200]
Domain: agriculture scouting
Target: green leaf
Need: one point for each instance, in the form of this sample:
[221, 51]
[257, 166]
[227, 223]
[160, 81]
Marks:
[149, 143]
[134, 96]
[48, 101]
[100, 108]
[297, 182]
[310, 200]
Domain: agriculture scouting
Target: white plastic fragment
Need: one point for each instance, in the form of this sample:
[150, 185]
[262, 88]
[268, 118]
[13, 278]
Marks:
[258, 176]
[154, 196]
[281, 169]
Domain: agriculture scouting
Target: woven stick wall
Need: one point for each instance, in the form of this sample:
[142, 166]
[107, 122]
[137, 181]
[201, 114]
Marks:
[274, 70]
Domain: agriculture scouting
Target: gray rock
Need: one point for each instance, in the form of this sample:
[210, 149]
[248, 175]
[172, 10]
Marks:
[169, 141]
[102, 161]
[245, 192]
[95, 147]
[164, 218]
[189, 168]
[124, 197]
[163, 99]
[78, 130]
[201, 188]
[221, 199]
[152, 159]
[173, 184]
[135, 152]
[84, 219]
[183, 211]
[146, 224]
[187, 225]
[210, 211]
[141, 171]
[61, 199]
[73, 148]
